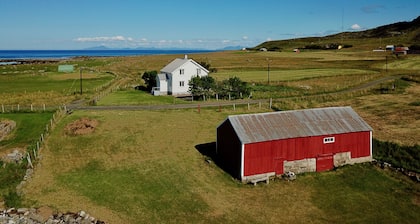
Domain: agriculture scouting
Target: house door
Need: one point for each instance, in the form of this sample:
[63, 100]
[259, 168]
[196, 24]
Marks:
[279, 166]
[324, 162]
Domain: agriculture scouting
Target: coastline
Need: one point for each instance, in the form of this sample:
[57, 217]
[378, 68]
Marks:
[25, 56]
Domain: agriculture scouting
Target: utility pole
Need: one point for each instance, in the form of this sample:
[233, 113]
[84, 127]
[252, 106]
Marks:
[268, 71]
[81, 90]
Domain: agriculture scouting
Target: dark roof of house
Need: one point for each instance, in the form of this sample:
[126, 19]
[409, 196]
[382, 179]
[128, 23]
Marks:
[297, 123]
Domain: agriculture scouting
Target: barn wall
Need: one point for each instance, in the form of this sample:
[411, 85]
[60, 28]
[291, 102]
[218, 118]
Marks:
[229, 149]
[263, 157]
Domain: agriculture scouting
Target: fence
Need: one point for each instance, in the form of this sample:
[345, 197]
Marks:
[33, 150]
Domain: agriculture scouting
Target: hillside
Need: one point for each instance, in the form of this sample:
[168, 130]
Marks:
[400, 34]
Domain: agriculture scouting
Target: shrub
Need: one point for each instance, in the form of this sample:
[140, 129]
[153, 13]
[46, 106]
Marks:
[406, 157]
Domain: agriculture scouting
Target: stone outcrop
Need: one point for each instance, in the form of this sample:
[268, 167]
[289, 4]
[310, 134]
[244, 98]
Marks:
[32, 216]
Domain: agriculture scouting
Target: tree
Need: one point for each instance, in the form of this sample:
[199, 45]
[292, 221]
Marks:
[149, 78]
[235, 88]
[202, 86]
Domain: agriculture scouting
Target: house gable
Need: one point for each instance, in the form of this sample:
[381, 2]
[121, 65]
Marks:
[178, 73]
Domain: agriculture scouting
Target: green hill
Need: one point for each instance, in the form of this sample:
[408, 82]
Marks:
[399, 34]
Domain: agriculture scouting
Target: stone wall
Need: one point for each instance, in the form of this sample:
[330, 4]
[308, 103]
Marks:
[6, 126]
[300, 166]
[25, 215]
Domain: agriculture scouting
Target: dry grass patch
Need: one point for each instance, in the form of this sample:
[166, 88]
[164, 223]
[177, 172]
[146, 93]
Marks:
[82, 126]
[390, 115]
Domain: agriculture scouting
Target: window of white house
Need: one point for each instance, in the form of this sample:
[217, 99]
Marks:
[329, 140]
[181, 71]
[181, 83]
[198, 71]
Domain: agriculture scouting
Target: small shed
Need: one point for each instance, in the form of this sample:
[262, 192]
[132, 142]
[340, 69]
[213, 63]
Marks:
[252, 146]
[65, 68]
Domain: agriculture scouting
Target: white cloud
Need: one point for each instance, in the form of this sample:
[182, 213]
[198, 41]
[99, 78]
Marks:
[355, 27]
[245, 38]
[103, 39]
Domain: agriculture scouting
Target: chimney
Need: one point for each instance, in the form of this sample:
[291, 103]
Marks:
[186, 56]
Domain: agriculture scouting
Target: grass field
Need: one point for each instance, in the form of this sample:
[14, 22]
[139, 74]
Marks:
[144, 165]
[29, 127]
[137, 97]
[50, 88]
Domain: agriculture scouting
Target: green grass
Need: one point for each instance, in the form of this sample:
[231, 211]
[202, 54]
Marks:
[29, 127]
[136, 97]
[363, 194]
[288, 75]
[140, 191]
[24, 83]
[144, 165]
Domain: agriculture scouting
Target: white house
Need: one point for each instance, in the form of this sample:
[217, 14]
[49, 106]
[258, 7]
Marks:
[173, 78]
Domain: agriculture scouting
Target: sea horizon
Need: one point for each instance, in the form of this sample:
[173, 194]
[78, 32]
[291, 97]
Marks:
[10, 55]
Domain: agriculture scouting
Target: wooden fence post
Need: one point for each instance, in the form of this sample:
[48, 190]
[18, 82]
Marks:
[28, 157]
[44, 107]
[234, 108]
[271, 102]
[2, 108]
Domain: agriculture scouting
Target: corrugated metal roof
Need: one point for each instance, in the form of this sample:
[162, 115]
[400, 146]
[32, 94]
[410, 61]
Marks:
[175, 64]
[297, 123]
[178, 62]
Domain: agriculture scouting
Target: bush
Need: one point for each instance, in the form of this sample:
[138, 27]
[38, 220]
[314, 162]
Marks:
[406, 157]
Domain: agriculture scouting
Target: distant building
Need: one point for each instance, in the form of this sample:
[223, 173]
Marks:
[173, 79]
[255, 146]
[390, 47]
[401, 50]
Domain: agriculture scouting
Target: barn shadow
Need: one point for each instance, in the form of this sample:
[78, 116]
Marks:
[208, 150]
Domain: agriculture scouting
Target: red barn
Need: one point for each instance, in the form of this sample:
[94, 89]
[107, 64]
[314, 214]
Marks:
[254, 146]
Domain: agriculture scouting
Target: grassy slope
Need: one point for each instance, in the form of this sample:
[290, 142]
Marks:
[144, 165]
[29, 127]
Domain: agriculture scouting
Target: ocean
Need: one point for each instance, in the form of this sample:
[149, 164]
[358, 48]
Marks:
[65, 54]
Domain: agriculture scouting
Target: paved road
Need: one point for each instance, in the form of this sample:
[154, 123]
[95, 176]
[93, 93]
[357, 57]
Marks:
[79, 105]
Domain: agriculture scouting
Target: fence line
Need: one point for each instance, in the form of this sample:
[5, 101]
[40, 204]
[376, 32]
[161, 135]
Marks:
[35, 148]
[26, 108]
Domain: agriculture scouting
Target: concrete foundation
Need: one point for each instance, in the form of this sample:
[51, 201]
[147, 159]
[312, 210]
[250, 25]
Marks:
[300, 166]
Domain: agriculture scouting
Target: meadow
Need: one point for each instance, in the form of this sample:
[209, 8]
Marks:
[149, 166]
[146, 165]
[40, 85]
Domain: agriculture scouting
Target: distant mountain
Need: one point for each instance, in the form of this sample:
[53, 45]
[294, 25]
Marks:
[400, 33]
[98, 48]
[228, 48]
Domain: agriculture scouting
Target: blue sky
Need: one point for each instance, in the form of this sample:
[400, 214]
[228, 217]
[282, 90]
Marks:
[208, 24]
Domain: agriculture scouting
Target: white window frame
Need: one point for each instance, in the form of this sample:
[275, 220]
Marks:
[181, 83]
[328, 140]
[198, 71]
[181, 71]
